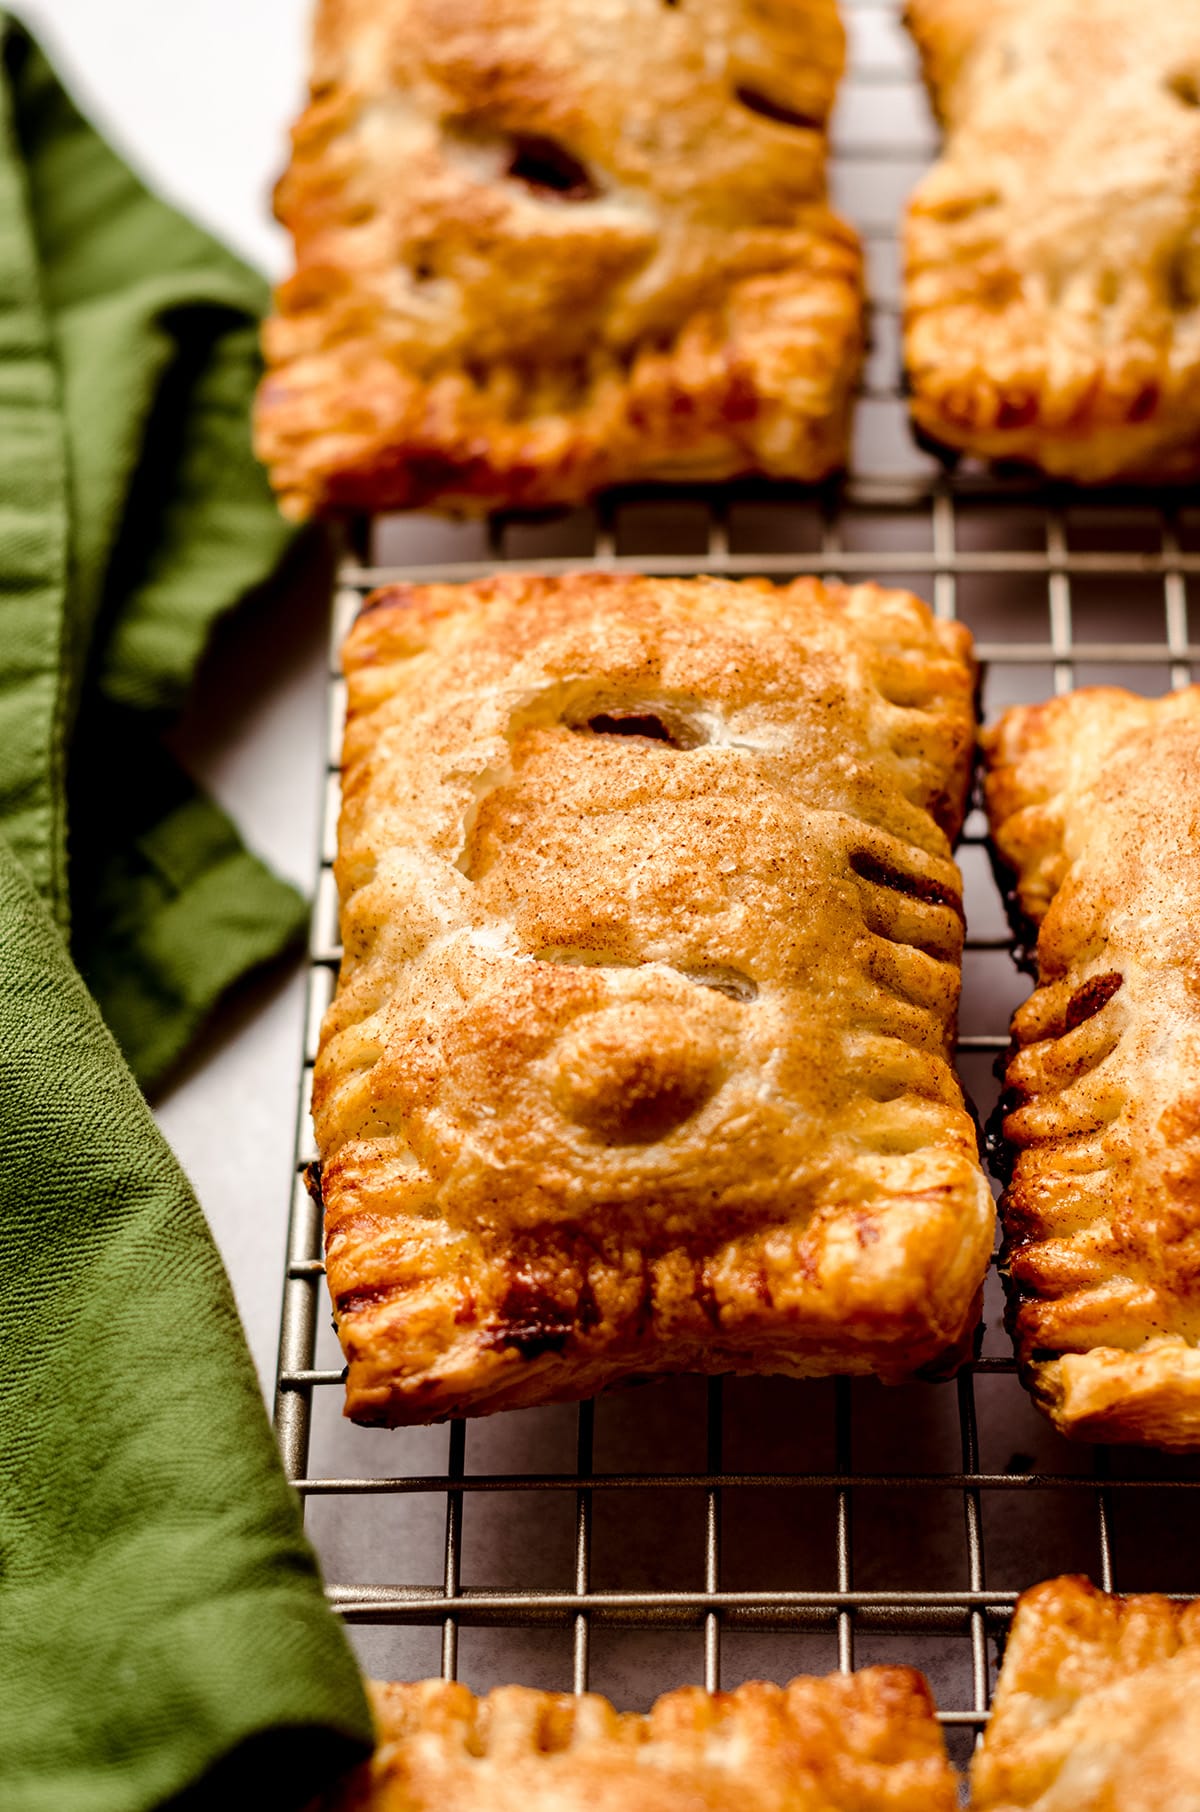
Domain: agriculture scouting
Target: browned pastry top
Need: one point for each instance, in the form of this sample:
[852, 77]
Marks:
[1095, 804]
[1097, 1707]
[640, 1059]
[1053, 299]
[866, 1742]
[545, 245]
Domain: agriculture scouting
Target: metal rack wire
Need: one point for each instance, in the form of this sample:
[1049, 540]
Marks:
[1060, 589]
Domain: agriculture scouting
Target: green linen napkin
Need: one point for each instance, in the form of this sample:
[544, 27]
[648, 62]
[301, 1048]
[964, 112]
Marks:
[160, 1610]
[163, 1634]
[132, 514]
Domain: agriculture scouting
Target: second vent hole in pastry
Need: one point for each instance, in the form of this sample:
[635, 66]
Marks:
[733, 983]
[769, 109]
[730, 982]
[897, 880]
[542, 163]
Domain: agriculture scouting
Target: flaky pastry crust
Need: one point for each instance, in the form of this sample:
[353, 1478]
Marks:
[544, 246]
[640, 1056]
[1053, 253]
[1097, 1708]
[1093, 800]
[866, 1742]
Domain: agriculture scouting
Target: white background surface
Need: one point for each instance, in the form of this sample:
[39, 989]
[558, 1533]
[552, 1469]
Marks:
[198, 94]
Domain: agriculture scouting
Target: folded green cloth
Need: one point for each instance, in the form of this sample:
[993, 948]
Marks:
[160, 1610]
[132, 514]
[163, 1634]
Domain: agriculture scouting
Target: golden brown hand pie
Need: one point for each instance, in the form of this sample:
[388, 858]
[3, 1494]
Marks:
[1097, 1708]
[1095, 804]
[1053, 254]
[542, 248]
[866, 1742]
[640, 1057]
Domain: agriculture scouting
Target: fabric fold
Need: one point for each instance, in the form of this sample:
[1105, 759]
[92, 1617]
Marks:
[175, 910]
[159, 1603]
[132, 515]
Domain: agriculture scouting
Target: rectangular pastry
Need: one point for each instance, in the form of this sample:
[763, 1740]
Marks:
[1097, 1708]
[1093, 800]
[640, 1059]
[866, 1742]
[1053, 253]
[541, 250]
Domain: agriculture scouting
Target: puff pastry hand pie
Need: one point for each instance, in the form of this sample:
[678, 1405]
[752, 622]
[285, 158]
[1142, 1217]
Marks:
[1097, 1707]
[1095, 805]
[640, 1056]
[1053, 254]
[541, 248]
[866, 1742]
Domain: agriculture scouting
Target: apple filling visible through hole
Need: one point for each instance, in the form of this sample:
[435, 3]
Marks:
[542, 163]
[650, 726]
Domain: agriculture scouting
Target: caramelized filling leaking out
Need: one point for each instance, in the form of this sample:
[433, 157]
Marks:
[1180, 274]
[1088, 1000]
[544, 164]
[1185, 87]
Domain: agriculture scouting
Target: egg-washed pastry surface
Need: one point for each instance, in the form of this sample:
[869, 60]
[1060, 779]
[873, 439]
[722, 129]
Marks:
[866, 1742]
[640, 1056]
[1094, 801]
[543, 246]
[1097, 1708]
[1053, 253]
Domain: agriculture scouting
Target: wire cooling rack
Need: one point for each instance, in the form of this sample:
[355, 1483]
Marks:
[718, 1530]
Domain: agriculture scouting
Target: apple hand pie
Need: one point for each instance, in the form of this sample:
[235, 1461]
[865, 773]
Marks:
[1097, 1708]
[1094, 801]
[1053, 253]
[866, 1742]
[640, 1059]
[541, 250]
